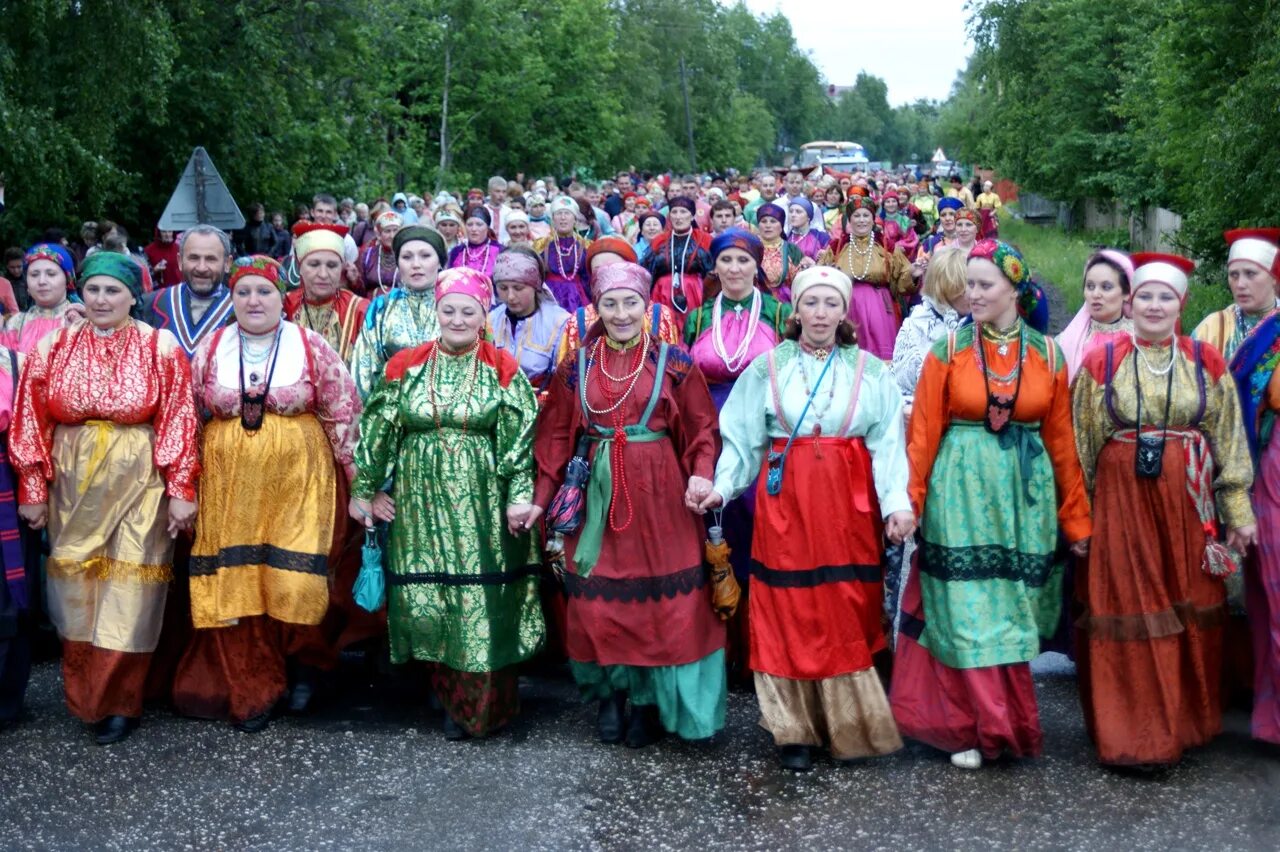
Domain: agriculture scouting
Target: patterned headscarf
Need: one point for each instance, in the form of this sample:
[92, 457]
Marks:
[258, 264]
[467, 282]
[1011, 265]
[388, 217]
[858, 202]
[518, 267]
[773, 211]
[621, 276]
[969, 215]
[55, 253]
[739, 239]
[113, 265]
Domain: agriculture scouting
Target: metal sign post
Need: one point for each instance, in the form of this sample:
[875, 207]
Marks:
[201, 198]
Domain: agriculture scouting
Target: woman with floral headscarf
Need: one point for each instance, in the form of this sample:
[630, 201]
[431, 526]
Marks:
[282, 427]
[105, 444]
[1163, 447]
[527, 323]
[50, 273]
[452, 420]
[640, 623]
[994, 477]
[881, 278]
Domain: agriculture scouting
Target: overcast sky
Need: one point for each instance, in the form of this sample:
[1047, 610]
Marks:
[916, 46]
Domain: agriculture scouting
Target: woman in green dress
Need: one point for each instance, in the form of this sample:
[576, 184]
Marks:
[452, 422]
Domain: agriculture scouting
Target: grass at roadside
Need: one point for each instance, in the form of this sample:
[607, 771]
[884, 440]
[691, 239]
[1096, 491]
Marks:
[1058, 259]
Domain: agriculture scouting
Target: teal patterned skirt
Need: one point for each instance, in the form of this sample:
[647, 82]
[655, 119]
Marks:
[988, 578]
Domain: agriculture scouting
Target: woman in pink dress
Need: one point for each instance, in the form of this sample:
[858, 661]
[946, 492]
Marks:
[50, 272]
[880, 278]
[738, 320]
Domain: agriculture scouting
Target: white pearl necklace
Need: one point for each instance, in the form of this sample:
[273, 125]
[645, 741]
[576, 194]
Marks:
[735, 362]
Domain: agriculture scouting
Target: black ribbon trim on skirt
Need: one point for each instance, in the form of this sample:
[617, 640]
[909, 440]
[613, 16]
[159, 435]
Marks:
[985, 562]
[242, 555]
[489, 578]
[636, 589]
[811, 578]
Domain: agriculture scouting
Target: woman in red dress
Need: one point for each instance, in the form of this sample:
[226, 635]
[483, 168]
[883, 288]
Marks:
[640, 622]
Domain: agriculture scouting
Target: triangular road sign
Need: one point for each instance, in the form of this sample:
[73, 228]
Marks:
[201, 198]
[939, 157]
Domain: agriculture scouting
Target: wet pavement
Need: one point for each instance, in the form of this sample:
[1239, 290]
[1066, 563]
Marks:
[370, 769]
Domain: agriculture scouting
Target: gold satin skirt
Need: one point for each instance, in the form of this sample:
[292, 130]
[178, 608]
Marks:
[265, 524]
[847, 714]
[111, 558]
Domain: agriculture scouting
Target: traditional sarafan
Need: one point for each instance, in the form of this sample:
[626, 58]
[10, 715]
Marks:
[105, 433]
[1163, 448]
[640, 624]
[455, 431]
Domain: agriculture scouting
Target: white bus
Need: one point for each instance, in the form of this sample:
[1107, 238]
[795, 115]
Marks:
[842, 156]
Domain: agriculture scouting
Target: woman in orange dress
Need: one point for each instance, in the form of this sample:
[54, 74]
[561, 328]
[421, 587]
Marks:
[995, 474]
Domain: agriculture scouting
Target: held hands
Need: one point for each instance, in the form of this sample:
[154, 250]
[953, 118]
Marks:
[35, 514]
[714, 500]
[521, 517]
[697, 491]
[899, 526]
[361, 510]
[384, 508]
[1081, 548]
[1241, 538]
[182, 516]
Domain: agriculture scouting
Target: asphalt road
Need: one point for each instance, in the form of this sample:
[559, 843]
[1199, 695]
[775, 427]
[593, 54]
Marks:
[370, 769]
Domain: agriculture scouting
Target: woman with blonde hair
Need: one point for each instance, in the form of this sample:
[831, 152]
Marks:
[943, 306]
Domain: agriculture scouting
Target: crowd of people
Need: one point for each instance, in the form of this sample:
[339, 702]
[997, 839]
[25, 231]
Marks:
[806, 435]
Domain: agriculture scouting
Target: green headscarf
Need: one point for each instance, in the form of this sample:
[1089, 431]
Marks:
[121, 267]
[420, 232]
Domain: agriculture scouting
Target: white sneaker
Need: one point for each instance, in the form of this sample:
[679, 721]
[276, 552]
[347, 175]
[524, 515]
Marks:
[971, 759]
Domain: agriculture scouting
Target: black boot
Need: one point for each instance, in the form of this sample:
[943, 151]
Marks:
[113, 729]
[609, 719]
[796, 758]
[304, 687]
[255, 724]
[644, 728]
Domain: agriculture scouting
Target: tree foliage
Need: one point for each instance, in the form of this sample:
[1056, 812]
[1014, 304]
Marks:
[102, 102]
[1169, 102]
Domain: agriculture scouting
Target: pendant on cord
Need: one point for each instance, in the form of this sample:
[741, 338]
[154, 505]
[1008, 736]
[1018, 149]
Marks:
[253, 409]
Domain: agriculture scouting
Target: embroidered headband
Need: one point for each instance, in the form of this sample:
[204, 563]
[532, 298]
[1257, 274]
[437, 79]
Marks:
[258, 264]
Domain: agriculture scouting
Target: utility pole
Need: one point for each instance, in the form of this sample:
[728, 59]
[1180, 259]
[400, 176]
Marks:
[688, 115]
